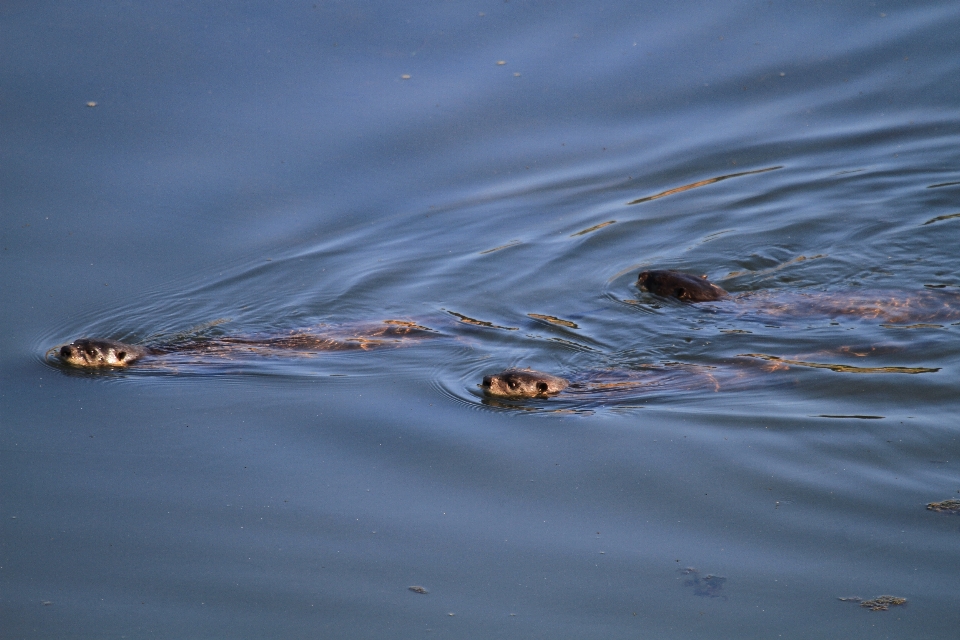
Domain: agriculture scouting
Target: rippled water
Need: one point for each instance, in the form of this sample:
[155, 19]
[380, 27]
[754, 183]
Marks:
[500, 174]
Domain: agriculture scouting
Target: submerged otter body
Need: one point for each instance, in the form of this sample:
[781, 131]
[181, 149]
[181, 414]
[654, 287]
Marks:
[893, 307]
[608, 384]
[683, 286]
[101, 353]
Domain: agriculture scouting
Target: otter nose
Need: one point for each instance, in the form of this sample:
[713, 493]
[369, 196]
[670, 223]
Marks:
[487, 381]
[66, 351]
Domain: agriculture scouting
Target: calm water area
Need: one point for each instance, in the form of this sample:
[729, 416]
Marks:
[499, 172]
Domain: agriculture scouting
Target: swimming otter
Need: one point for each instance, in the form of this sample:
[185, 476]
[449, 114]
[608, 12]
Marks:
[99, 353]
[680, 285]
[607, 384]
[523, 383]
[891, 307]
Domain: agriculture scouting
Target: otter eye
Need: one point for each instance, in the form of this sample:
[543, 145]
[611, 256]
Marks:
[542, 387]
[121, 355]
[512, 384]
[680, 292]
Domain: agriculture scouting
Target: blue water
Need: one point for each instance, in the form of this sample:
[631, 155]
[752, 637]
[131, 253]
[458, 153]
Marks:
[237, 169]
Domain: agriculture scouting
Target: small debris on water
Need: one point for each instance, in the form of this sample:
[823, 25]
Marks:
[707, 586]
[418, 589]
[880, 603]
[947, 506]
[883, 603]
[554, 320]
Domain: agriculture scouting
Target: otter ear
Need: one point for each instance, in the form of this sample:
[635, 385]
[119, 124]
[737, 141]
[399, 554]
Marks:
[680, 292]
[542, 387]
[121, 355]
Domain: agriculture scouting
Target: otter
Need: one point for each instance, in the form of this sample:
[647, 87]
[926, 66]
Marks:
[676, 284]
[607, 384]
[892, 307]
[102, 353]
[523, 383]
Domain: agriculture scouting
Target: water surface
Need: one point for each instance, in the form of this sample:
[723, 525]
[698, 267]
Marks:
[248, 169]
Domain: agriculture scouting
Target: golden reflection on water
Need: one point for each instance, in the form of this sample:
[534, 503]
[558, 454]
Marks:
[701, 183]
[554, 320]
[841, 368]
[512, 243]
[939, 218]
[479, 323]
[593, 228]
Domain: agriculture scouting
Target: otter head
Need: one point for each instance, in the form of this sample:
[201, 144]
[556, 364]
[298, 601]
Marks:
[93, 352]
[522, 383]
[680, 285]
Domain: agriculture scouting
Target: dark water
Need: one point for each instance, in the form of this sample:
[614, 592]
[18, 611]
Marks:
[250, 167]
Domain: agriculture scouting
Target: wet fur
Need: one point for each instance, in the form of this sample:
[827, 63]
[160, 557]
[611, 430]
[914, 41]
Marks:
[683, 286]
[97, 352]
[523, 383]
